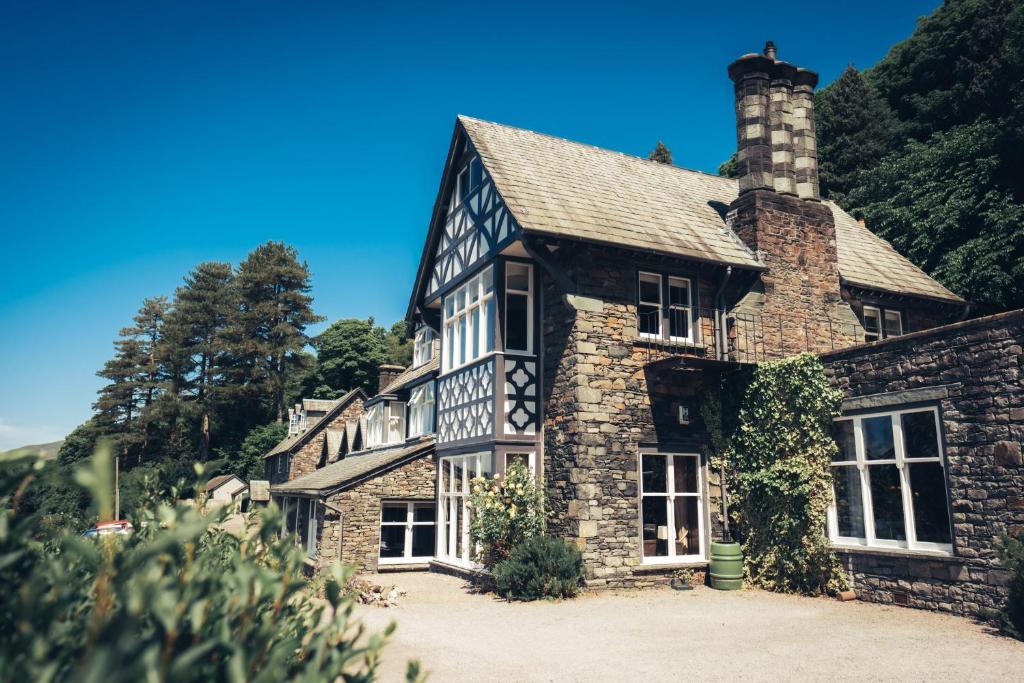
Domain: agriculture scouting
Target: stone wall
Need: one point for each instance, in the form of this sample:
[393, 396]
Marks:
[604, 398]
[357, 528]
[304, 459]
[973, 372]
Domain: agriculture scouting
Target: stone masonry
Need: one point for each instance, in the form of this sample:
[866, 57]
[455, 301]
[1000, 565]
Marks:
[974, 372]
[357, 528]
[303, 459]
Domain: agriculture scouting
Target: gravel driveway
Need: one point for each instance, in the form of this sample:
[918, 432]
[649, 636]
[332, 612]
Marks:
[660, 635]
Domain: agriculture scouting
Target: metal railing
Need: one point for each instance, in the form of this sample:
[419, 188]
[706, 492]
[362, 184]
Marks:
[720, 335]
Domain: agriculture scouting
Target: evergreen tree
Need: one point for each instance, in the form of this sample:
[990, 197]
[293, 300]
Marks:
[203, 309]
[120, 400]
[855, 130]
[269, 332]
[661, 154]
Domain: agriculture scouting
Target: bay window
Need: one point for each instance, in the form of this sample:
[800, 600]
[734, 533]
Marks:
[468, 330]
[671, 508]
[518, 307]
[454, 476]
[889, 482]
[407, 531]
[421, 410]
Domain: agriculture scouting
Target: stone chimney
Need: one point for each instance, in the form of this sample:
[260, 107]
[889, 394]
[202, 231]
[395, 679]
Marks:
[387, 375]
[779, 213]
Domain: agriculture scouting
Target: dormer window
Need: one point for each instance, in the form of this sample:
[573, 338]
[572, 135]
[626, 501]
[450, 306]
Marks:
[421, 410]
[423, 346]
[385, 423]
[296, 420]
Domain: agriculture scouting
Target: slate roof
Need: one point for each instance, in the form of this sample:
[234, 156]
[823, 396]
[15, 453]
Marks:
[411, 374]
[293, 441]
[220, 480]
[354, 466]
[568, 189]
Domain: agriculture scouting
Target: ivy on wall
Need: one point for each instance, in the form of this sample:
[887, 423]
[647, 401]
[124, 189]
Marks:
[778, 467]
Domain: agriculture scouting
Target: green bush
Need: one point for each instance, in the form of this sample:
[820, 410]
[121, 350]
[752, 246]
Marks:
[1011, 554]
[540, 567]
[179, 600]
[506, 512]
[781, 485]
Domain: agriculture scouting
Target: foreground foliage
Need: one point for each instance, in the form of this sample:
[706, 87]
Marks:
[540, 567]
[180, 600]
[1011, 554]
[781, 486]
[505, 513]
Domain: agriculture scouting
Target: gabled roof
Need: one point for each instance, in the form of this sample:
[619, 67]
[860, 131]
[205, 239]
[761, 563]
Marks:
[218, 481]
[571, 190]
[355, 466]
[293, 441]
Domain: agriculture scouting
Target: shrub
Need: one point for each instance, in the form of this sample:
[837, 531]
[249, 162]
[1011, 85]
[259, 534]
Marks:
[1011, 554]
[179, 600]
[540, 567]
[779, 459]
[505, 513]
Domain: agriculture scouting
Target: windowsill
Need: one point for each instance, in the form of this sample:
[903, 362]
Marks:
[906, 553]
[459, 567]
[652, 567]
[403, 561]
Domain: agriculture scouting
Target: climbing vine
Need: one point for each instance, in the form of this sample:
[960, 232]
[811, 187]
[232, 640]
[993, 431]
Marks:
[778, 465]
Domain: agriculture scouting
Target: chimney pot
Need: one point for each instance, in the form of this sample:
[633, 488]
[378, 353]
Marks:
[769, 50]
[386, 374]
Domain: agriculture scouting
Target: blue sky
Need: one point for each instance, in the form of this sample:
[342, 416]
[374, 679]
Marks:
[141, 138]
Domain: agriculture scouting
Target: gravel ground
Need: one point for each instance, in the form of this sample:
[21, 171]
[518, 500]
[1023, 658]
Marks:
[661, 634]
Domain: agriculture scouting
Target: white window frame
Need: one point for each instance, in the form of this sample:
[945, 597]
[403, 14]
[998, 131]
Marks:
[901, 461]
[528, 292]
[882, 315]
[877, 315]
[423, 346]
[375, 429]
[454, 315]
[670, 495]
[396, 422]
[659, 304]
[530, 454]
[688, 307]
[899, 322]
[409, 523]
[455, 498]
[422, 400]
[311, 528]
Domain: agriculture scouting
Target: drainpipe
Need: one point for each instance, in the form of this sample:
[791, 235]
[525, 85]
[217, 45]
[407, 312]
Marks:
[341, 524]
[722, 341]
[720, 313]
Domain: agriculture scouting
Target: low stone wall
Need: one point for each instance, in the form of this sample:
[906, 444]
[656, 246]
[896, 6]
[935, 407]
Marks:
[973, 372]
[357, 527]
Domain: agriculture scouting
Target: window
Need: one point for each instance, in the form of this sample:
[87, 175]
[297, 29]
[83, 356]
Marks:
[423, 346]
[311, 526]
[407, 531]
[648, 310]
[526, 459]
[421, 410]
[468, 331]
[679, 327]
[518, 307]
[671, 508]
[880, 323]
[889, 482]
[454, 476]
[385, 423]
[468, 179]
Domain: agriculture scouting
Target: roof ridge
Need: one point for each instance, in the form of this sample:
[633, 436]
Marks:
[631, 157]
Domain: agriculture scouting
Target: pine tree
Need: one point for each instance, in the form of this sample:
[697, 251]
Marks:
[275, 308]
[661, 154]
[148, 331]
[119, 402]
[197, 347]
[855, 130]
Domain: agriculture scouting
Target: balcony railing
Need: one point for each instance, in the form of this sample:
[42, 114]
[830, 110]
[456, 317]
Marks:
[719, 335]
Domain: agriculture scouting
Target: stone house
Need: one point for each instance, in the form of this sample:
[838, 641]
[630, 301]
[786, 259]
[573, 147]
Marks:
[584, 301]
